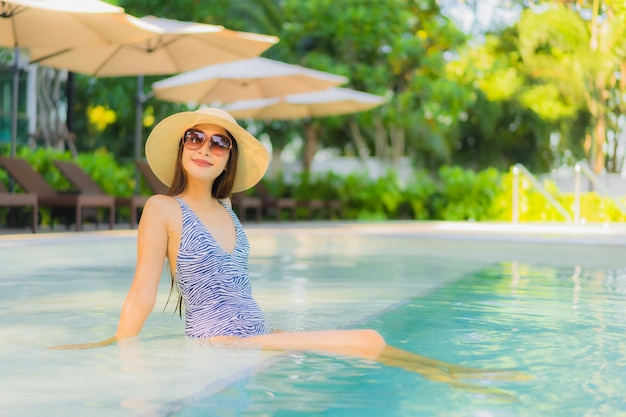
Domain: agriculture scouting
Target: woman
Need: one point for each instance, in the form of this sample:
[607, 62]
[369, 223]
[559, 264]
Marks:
[204, 156]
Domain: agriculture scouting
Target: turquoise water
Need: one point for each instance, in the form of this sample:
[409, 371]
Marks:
[563, 326]
[554, 312]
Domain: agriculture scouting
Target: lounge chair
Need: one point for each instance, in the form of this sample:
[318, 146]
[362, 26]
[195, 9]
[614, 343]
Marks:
[31, 181]
[153, 181]
[276, 206]
[86, 185]
[335, 209]
[316, 208]
[323, 209]
[244, 202]
[8, 199]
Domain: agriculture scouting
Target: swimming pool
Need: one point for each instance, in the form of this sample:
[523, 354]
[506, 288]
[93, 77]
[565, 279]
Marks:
[542, 303]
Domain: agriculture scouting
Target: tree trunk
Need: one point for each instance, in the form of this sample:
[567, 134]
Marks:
[597, 103]
[359, 141]
[51, 127]
[599, 140]
[311, 131]
[276, 165]
[397, 143]
[612, 163]
[382, 143]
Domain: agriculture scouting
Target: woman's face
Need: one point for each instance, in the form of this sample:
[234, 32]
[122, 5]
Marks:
[209, 160]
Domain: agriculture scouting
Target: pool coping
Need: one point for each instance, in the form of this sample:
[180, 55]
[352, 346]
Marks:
[590, 234]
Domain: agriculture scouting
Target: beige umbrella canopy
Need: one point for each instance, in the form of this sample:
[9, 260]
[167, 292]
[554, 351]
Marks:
[171, 46]
[62, 23]
[252, 78]
[334, 101]
[330, 102]
[168, 47]
[59, 23]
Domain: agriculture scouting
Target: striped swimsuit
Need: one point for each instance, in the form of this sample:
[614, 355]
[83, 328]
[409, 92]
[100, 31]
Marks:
[214, 284]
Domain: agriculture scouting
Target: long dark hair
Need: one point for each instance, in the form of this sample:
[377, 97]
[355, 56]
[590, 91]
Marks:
[222, 188]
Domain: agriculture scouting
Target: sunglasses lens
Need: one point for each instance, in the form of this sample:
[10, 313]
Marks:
[220, 142]
[194, 139]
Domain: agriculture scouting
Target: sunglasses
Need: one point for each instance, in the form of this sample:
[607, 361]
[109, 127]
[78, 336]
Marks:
[193, 139]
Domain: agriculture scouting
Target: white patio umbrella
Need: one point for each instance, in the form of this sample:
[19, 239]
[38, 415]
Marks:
[253, 78]
[330, 102]
[58, 23]
[172, 46]
[169, 47]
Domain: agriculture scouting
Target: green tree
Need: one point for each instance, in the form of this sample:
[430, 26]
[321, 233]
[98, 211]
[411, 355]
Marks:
[395, 48]
[574, 62]
[498, 130]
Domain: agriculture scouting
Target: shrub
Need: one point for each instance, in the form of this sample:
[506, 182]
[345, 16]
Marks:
[467, 195]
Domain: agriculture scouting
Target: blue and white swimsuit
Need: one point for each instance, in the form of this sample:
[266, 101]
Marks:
[214, 284]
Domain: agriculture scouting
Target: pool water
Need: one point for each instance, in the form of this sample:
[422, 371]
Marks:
[554, 312]
[563, 326]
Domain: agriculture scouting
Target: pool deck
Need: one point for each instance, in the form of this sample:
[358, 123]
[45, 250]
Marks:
[591, 244]
[592, 234]
[597, 245]
[599, 234]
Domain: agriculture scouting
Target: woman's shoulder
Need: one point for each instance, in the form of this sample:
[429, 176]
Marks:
[161, 201]
[160, 206]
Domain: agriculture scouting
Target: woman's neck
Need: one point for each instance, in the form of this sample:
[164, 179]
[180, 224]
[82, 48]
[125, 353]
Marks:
[200, 191]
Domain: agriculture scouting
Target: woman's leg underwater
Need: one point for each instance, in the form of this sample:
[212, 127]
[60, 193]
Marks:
[369, 344]
[405, 359]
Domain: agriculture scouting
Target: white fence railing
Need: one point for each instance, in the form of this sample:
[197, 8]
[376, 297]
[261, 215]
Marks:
[581, 168]
[521, 169]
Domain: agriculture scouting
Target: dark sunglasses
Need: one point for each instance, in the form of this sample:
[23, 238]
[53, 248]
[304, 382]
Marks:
[193, 139]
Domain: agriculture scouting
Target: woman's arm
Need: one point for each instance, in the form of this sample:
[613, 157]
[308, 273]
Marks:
[152, 236]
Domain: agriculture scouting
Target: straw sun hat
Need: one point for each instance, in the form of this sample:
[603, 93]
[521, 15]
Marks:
[162, 146]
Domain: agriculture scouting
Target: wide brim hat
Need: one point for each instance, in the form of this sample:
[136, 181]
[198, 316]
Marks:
[162, 146]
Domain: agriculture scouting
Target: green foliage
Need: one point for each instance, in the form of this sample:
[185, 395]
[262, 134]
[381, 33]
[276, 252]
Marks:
[114, 178]
[595, 208]
[320, 187]
[367, 199]
[572, 56]
[534, 207]
[454, 193]
[277, 187]
[6, 55]
[467, 195]
[419, 195]
[41, 159]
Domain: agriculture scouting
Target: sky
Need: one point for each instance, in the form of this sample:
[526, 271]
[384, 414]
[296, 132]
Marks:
[490, 14]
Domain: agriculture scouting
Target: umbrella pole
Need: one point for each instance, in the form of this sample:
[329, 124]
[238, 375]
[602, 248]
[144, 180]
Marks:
[16, 93]
[139, 101]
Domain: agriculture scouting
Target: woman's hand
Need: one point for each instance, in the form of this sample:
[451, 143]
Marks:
[102, 343]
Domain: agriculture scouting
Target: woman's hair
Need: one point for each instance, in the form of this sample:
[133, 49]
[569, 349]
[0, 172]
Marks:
[222, 188]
